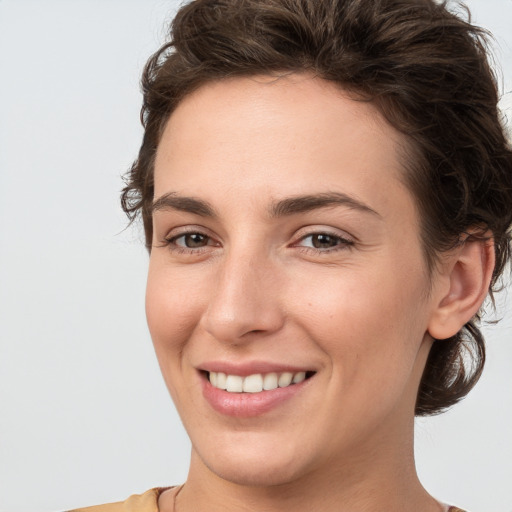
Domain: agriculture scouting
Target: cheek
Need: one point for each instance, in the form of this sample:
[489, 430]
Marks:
[366, 323]
[173, 308]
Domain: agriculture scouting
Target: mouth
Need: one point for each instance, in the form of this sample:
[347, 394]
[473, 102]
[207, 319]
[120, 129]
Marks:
[257, 382]
[248, 389]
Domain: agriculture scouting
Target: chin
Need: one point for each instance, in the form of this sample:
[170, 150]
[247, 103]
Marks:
[255, 469]
[264, 476]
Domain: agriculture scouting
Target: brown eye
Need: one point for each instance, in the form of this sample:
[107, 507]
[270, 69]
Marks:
[324, 241]
[192, 240]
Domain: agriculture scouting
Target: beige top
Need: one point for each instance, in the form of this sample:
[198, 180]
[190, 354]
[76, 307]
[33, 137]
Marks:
[148, 502]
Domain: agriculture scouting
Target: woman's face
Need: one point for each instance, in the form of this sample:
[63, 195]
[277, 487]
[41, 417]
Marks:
[285, 246]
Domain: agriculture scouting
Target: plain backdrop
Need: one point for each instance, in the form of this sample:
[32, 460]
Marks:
[84, 415]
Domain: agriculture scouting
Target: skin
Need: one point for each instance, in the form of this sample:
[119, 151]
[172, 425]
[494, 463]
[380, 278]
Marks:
[357, 311]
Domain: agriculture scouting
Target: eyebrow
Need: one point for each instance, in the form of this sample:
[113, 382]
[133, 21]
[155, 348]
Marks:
[281, 208]
[173, 201]
[306, 203]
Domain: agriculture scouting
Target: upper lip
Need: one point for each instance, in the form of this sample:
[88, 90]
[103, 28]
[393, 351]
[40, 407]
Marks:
[250, 368]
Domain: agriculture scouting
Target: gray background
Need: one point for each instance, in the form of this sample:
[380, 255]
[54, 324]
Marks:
[84, 414]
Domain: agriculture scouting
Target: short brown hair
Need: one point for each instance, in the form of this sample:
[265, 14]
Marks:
[427, 71]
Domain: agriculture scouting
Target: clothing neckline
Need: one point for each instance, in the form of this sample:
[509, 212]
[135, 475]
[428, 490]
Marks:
[177, 489]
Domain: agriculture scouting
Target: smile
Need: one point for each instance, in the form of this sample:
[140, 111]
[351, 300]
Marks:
[255, 383]
[252, 394]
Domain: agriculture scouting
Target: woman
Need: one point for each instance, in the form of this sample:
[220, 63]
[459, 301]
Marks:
[326, 193]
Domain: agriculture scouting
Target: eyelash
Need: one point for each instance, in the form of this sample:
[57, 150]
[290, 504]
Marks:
[170, 242]
[342, 243]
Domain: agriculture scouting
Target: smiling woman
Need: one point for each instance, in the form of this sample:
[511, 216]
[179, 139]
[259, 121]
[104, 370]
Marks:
[326, 193]
[325, 189]
[278, 297]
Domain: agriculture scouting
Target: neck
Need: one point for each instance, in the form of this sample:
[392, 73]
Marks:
[368, 480]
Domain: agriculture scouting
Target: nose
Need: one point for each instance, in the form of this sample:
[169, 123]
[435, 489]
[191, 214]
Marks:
[244, 300]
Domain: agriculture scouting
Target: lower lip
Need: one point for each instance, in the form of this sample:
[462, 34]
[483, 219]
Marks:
[247, 405]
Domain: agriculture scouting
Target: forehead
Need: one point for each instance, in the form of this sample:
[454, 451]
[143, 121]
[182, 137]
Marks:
[276, 135]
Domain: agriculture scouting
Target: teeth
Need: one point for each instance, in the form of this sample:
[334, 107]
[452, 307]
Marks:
[221, 380]
[299, 377]
[254, 383]
[270, 381]
[285, 379]
[234, 384]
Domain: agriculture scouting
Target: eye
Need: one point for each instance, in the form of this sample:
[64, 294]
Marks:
[324, 242]
[190, 240]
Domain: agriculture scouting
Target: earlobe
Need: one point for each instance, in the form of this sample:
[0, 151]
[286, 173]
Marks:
[468, 271]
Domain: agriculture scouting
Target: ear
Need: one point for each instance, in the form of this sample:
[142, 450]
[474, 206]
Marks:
[465, 281]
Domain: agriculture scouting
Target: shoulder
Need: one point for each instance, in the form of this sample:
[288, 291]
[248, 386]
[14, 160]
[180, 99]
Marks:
[147, 502]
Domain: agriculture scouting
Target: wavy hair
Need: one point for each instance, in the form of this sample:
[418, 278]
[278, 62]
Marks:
[427, 70]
